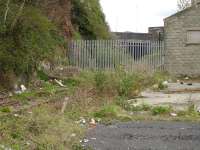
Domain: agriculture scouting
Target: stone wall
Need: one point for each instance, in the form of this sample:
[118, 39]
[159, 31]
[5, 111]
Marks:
[182, 58]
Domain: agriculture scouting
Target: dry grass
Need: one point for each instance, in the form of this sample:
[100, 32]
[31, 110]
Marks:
[91, 95]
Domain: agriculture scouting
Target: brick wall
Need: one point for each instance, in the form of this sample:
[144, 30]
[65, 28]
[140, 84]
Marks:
[182, 58]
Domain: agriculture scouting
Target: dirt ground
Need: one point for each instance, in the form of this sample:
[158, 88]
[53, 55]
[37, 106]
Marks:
[145, 136]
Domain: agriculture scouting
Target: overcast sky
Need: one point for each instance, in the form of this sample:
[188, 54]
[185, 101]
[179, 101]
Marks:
[137, 15]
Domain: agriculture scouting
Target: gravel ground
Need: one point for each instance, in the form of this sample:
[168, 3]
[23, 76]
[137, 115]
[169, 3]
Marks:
[145, 136]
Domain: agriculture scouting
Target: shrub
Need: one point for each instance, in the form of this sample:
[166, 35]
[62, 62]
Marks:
[126, 105]
[159, 110]
[71, 82]
[159, 78]
[26, 38]
[42, 75]
[88, 17]
[100, 80]
[126, 85]
[130, 85]
[109, 111]
[5, 109]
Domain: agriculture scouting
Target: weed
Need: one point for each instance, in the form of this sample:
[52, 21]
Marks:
[191, 111]
[5, 109]
[42, 75]
[77, 147]
[25, 97]
[160, 110]
[109, 111]
[71, 82]
[49, 88]
[126, 85]
[126, 105]
[44, 128]
[158, 78]
[146, 107]
[191, 108]
[100, 79]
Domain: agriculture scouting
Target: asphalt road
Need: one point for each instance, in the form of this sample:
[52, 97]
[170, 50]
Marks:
[145, 136]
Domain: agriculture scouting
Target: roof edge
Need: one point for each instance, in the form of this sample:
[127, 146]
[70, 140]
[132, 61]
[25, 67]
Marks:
[180, 12]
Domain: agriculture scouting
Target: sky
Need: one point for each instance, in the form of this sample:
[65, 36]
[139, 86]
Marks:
[137, 15]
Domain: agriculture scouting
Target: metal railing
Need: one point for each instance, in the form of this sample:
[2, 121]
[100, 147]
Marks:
[109, 54]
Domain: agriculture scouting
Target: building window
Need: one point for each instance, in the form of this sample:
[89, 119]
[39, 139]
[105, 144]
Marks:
[193, 37]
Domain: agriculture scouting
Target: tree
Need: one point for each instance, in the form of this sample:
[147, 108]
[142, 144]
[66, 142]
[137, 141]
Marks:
[183, 4]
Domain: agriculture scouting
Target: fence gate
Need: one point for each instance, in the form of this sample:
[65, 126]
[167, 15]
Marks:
[110, 54]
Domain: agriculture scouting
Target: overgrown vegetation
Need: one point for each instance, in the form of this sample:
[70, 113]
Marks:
[90, 95]
[27, 37]
[40, 128]
[89, 19]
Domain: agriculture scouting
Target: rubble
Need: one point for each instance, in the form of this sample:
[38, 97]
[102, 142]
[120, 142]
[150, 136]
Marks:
[23, 88]
[187, 78]
[59, 82]
[198, 109]
[64, 104]
[73, 135]
[16, 115]
[155, 86]
[82, 121]
[165, 83]
[20, 90]
[85, 141]
[92, 123]
[173, 114]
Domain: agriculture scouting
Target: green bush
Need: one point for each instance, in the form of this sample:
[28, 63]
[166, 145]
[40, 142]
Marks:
[71, 82]
[100, 80]
[159, 110]
[5, 109]
[126, 105]
[88, 17]
[126, 85]
[109, 111]
[42, 75]
[27, 37]
[130, 84]
[117, 83]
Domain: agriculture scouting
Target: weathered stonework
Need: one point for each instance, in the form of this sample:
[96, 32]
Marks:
[182, 58]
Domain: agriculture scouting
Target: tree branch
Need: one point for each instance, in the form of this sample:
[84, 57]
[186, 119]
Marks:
[18, 15]
[7, 9]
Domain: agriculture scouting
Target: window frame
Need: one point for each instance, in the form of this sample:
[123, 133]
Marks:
[187, 34]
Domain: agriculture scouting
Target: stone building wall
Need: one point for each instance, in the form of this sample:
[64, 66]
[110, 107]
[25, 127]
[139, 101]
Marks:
[182, 58]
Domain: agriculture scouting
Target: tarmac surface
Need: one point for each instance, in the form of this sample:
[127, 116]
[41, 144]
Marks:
[145, 136]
